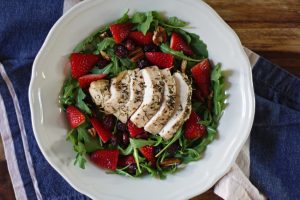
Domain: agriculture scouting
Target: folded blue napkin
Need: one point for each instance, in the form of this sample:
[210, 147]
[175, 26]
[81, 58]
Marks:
[274, 140]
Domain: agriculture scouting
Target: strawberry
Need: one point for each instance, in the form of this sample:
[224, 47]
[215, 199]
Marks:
[162, 60]
[120, 31]
[194, 130]
[81, 63]
[201, 74]
[179, 44]
[126, 160]
[75, 116]
[106, 158]
[85, 81]
[148, 153]
[103, 133]
[134, 130]
[140, 38]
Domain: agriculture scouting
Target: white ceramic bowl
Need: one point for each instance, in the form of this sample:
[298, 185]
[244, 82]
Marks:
[49, 123]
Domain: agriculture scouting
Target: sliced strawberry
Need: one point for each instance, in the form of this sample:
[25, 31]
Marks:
[148, 153]
[85, 81]
[81, 63]
[201, 74]
[106, 158]
[194, 130]
[140, 38]
[133, 129]
[162, 60]
[120, 31]
[126, 160]
[103, 133]
[75, 116]
[179, 44]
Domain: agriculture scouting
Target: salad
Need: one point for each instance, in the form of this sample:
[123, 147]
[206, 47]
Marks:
[142, 96]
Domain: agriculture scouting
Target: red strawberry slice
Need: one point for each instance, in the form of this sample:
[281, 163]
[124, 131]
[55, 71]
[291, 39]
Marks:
[134, 130]
[126, 160]
[85, 81]
[106, 158]
[75, 116]
[194, 130]
[162, 60]
[179, 44]
[201, 74]
[120, 31]
[148, 153]
[81, 63]
[103, 133]
[140, 38]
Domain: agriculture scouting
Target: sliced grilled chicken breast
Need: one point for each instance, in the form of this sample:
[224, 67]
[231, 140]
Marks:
[153, 92]
[119, 90]
[99, 91]
[167, 107]
[136, 92]
[183, 106]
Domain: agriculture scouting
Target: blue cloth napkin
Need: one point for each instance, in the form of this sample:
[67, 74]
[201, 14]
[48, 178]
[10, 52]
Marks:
[24, 24]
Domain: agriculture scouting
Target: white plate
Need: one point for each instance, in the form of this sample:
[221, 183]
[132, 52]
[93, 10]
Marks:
[49, 123]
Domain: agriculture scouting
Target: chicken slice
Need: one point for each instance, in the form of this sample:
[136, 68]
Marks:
[153, 92]
[183, 106]
[167, 107]
[136, 92]
[99, 91]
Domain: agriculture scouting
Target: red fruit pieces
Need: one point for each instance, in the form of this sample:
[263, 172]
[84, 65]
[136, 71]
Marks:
[140, 38]
[162, 60]
[106, 158]
[85, 81]
[148, 153]
[126, 160]
[201, 74]
[120, 31]
[179, 44]
[103, 133]
[133, 129]
[75, 116]
[81, 63]
[194, 130]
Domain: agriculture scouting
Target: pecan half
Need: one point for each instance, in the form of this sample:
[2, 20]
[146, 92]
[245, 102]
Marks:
[136, 54]
[92, 132]
[183, 66]
[170, 161]
[159, 36]
[104, 55]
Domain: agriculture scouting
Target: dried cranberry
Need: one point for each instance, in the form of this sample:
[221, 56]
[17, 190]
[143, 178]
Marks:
[129, 44]
[157, 149]
[121, 127]
[151, 48]
[125, 139]
[108, 122]
[120, 51]
[173, 148]
[143, 63]
[102, 63]
[132, 168]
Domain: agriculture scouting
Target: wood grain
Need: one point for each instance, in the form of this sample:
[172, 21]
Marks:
[270, 28]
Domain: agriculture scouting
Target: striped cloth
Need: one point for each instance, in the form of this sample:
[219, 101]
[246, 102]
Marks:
[270, 158]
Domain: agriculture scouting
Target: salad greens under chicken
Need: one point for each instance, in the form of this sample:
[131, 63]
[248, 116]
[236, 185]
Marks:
[142, 97]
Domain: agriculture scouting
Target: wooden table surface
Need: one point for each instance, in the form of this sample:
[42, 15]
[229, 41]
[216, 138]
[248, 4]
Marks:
[270, 28]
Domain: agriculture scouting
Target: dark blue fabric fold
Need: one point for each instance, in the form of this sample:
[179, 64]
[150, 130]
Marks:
[275, 135]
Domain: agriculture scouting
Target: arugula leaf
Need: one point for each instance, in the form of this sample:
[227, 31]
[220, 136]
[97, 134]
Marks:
[126, 151]
[144, 27]
[68, 93]
[174, 22]
[174, 139]
[138, 17]
[91, 144]
[105, 70]
[185, 35]
[106, 43]
[80, 103]
[178, 54]
[90, 40]
[139, 143]
[80, 159]
[121, 172]
[198, 46]
[124, 18]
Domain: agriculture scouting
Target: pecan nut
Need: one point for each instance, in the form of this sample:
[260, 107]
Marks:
[136, 55]
[159, 36]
